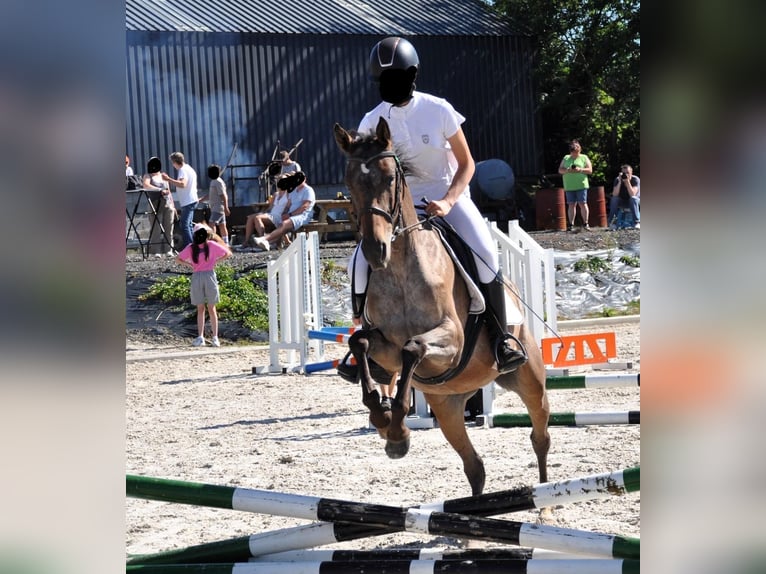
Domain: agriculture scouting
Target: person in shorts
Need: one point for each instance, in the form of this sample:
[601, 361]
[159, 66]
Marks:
[574, 169]
[259, 224]
[299, 213]
[202, 255]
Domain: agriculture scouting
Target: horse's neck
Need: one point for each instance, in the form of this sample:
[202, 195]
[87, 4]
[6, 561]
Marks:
[416, 240]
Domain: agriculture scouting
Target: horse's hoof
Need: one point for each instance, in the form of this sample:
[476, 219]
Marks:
[397, 449]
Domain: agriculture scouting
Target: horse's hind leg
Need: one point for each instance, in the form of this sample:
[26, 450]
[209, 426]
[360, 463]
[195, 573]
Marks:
[450, 412]
[529, 383]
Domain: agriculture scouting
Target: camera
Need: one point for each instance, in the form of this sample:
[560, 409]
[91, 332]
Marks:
[623, 176]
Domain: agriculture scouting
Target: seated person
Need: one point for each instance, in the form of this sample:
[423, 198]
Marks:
[300, 212]
[262, 223]
[626, 192]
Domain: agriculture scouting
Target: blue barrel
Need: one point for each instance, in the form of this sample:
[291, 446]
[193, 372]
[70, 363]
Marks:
[494, 179]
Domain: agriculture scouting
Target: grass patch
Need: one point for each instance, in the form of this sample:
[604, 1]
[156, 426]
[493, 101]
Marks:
[592, 264]
[631, 260]
[243, 297]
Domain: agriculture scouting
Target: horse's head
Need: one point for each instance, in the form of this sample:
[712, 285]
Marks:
[375, 180]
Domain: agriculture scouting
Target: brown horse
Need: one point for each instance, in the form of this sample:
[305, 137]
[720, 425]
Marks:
[417, 305]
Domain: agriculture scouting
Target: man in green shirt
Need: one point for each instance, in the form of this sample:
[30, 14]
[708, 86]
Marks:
[575, 168]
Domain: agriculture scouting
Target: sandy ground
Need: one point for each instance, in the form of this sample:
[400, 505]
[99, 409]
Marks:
[200, 415]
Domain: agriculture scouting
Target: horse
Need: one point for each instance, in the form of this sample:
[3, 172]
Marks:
[416, 307]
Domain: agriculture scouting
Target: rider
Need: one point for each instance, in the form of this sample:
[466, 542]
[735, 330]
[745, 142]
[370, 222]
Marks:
[427, 133]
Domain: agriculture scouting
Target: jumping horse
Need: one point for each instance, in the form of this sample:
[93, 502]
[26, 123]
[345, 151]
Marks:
[416, 308]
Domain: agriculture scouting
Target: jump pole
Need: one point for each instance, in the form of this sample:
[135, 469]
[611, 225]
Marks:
[322, 555]
[534, 566]
[591, 487]
[589, 381]
[424, 520]
[296, 538]
[508, 420]
[328, 336]
[326, 365]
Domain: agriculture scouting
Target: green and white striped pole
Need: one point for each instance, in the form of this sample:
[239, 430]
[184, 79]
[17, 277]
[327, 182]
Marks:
[566, 419]
[590, 487]
[590, 381]
[421, 520]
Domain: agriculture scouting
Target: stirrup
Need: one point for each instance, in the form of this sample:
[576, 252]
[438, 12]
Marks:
[508, 360]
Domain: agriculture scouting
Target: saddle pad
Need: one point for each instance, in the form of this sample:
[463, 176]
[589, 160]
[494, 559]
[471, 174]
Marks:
[513, 315]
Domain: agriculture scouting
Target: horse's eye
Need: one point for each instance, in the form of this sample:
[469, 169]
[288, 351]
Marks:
[391, 180]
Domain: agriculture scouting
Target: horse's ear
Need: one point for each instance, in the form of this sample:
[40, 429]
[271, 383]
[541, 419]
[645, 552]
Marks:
[383, 132]
[342, 137]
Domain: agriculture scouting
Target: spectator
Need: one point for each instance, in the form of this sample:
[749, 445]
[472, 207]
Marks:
[427, 131]
[626, 192]
[288, 165]
[300, 212]
[575, 168]
[186, 193]
[262, 223]
[161, 224]
[202, 255]
[219, 202]
[128, 169]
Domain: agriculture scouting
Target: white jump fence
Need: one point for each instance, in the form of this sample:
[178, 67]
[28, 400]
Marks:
[295, 302]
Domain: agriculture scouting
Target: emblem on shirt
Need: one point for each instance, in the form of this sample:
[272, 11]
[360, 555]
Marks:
[425, 138]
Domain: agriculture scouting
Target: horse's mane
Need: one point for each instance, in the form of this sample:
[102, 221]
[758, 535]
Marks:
[407, 166]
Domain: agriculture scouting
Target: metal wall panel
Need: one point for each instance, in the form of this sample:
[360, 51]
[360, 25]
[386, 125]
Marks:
[371, 17]
[200, 93]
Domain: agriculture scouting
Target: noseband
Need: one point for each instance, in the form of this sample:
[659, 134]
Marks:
[396, 213]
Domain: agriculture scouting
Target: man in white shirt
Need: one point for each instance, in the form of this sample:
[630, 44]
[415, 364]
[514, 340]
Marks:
[186, 194]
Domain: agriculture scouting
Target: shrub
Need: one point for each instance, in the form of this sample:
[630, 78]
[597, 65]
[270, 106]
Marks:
[243, 297]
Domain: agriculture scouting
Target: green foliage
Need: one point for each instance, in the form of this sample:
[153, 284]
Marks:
[592, 264]
[588, 59]
[169, 290]
[631, 260]
[333, 274]
[243, 297]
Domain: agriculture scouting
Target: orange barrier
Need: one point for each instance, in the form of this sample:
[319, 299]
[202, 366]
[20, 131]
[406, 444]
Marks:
[587, 349]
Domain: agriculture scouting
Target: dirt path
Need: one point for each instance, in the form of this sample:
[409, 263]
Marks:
[199, 415]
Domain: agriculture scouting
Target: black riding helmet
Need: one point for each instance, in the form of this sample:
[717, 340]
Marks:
[392, 53]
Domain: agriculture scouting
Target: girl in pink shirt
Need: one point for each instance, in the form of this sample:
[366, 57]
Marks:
[201, 255]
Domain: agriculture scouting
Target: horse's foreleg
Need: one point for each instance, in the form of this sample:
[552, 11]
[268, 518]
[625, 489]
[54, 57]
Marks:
[398, 443]
[359, 345]
[450, 412]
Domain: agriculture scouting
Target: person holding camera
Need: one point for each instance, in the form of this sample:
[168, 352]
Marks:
[626, 193]
[575, 169]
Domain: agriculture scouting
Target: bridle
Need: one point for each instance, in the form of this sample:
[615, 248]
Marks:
[395, 216]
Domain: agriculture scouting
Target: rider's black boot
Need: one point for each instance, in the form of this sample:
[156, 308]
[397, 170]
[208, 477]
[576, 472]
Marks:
[508, 359]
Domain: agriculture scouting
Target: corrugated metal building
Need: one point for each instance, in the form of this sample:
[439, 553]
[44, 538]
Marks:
[203, 75]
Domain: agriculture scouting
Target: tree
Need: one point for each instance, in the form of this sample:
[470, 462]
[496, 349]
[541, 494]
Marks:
[588, 77]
